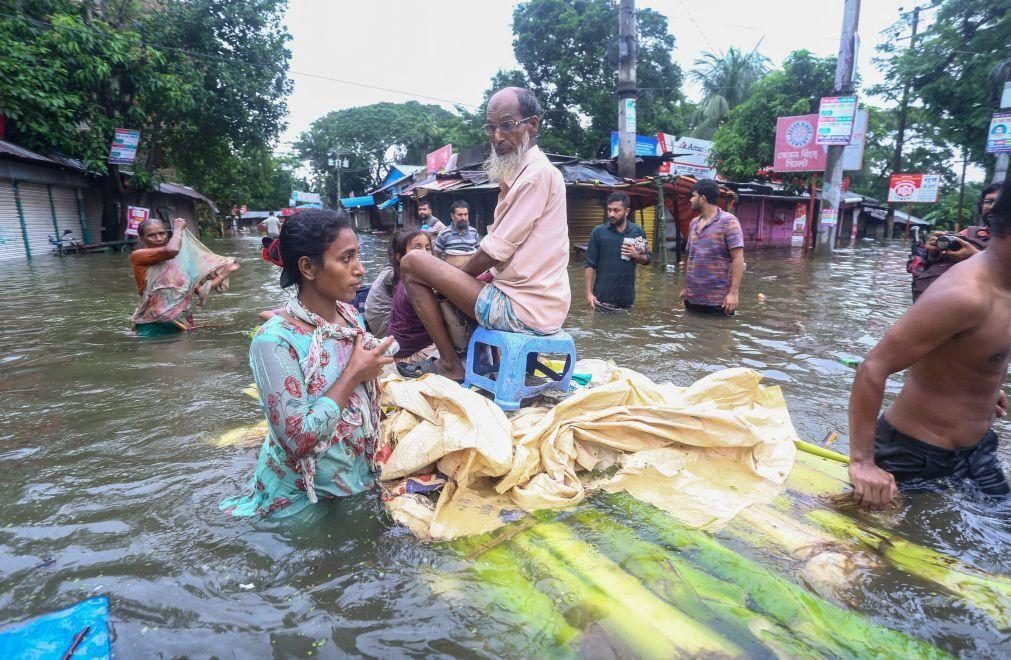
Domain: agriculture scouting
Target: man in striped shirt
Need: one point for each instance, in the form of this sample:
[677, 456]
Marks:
[459, 237]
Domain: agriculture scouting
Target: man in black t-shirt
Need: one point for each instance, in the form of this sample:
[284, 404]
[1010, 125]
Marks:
[615, 248]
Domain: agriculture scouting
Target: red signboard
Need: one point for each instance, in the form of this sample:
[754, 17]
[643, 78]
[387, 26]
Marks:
[914, 188]
[1, 127]
[439, 158]
[287, 211]
[796, 149]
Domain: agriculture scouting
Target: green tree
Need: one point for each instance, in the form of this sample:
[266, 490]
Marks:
[951, 68]
[743, 145]
[372, 138]
[945, 214]
[925, 152]
[726, 80]
[567, 52]
[189, 75]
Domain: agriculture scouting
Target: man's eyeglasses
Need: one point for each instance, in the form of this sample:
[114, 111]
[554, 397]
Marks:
[989, 202]
[508, 126]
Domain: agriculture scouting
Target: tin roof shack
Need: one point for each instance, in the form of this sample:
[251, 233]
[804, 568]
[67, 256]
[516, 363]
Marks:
[588, 183]
[43, 196]
[770, 215]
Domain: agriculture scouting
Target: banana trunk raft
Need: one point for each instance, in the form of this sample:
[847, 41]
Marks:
[568, 529]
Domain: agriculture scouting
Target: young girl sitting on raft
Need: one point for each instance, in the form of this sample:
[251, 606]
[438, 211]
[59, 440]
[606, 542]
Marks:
[317, 372]
[405, 326]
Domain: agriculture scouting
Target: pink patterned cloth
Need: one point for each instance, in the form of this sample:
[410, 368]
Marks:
[313, 363]
[172, 284]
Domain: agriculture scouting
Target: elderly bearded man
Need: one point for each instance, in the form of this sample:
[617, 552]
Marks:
[523, 261]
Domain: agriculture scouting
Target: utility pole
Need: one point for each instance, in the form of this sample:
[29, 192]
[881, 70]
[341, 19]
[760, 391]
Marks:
[1001, 166]
[627, 46]
[900, 136]
[336, 161]
[831, 192]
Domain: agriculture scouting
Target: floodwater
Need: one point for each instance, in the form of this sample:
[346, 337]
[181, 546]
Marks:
[111, 482]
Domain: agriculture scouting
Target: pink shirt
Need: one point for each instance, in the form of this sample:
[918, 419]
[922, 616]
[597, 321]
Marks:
[530, 237]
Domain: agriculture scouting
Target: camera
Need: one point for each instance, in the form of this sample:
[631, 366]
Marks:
[949, 242]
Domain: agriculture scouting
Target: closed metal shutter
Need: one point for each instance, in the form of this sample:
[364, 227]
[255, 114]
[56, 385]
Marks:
[67, 216]
[38, 217]
[93, 207]
[585, 212]
[11, 244]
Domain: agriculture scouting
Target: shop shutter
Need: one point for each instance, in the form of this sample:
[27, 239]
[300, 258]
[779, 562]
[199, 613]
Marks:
[585, 212]
[93, 208]
[67, 216]
[11, 244]
[38, 217]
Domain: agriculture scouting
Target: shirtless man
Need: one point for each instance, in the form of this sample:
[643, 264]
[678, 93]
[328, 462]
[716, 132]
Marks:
[526, 251]
[955, 342]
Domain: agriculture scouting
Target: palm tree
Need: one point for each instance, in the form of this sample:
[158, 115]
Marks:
[726, 81]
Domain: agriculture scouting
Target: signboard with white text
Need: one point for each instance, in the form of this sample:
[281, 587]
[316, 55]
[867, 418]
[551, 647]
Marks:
[645, 145]
[797, 150]
[914, 188]
[836, 115]
[123, 150]
[438, 159]
[998, 138]
[299, 197]
[134, 216]
[694, 164]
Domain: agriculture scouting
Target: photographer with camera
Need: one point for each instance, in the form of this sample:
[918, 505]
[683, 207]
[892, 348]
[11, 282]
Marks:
[931, 258]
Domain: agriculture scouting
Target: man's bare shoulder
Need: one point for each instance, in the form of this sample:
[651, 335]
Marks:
[966, 289]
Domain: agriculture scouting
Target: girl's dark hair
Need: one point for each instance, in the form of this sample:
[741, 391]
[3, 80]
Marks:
[398, 248]
[308, 233]
[1000, 214]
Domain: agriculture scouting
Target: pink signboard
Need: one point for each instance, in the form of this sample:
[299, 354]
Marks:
[796, 149]
[439, 158]
[134, 216]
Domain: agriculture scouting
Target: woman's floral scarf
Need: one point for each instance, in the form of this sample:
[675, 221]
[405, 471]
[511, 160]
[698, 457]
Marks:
[354, 414]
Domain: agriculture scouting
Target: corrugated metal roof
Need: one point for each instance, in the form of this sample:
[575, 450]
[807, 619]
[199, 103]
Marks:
[14, 150]
[178, 189]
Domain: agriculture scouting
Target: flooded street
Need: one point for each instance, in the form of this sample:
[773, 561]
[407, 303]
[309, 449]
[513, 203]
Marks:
[111, 481]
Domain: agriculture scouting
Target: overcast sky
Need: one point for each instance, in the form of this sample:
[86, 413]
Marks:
[447, 50]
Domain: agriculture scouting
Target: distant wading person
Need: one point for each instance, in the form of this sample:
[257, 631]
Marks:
[616, 247]
[715, 255]
[317, 372]
[170, 273]
[526, 251]
[954, 344]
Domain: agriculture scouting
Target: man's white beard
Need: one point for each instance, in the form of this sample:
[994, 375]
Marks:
[502, 168]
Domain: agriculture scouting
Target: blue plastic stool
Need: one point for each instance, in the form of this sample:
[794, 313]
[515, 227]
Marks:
[518, 357]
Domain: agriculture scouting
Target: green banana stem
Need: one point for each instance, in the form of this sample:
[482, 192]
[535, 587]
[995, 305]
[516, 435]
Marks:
[701, 596]
[499, 576]
[824, 452]
[650, 627]
[785, 601]
[990, 593]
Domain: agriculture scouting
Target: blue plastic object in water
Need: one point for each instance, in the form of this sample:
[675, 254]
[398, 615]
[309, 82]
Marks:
[52, 635]
[510, 387]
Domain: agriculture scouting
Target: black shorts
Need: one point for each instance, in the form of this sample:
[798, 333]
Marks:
[705, 309]
[909, 460]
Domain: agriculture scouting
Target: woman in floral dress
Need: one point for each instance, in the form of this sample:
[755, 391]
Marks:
[317, 372]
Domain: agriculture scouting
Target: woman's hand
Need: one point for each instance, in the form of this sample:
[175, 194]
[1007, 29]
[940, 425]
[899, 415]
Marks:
[366, 364]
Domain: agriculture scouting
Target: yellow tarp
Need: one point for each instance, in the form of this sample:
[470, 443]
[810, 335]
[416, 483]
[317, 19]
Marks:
[701, 453]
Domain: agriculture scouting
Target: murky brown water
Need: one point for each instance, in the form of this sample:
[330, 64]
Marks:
[111, 484]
